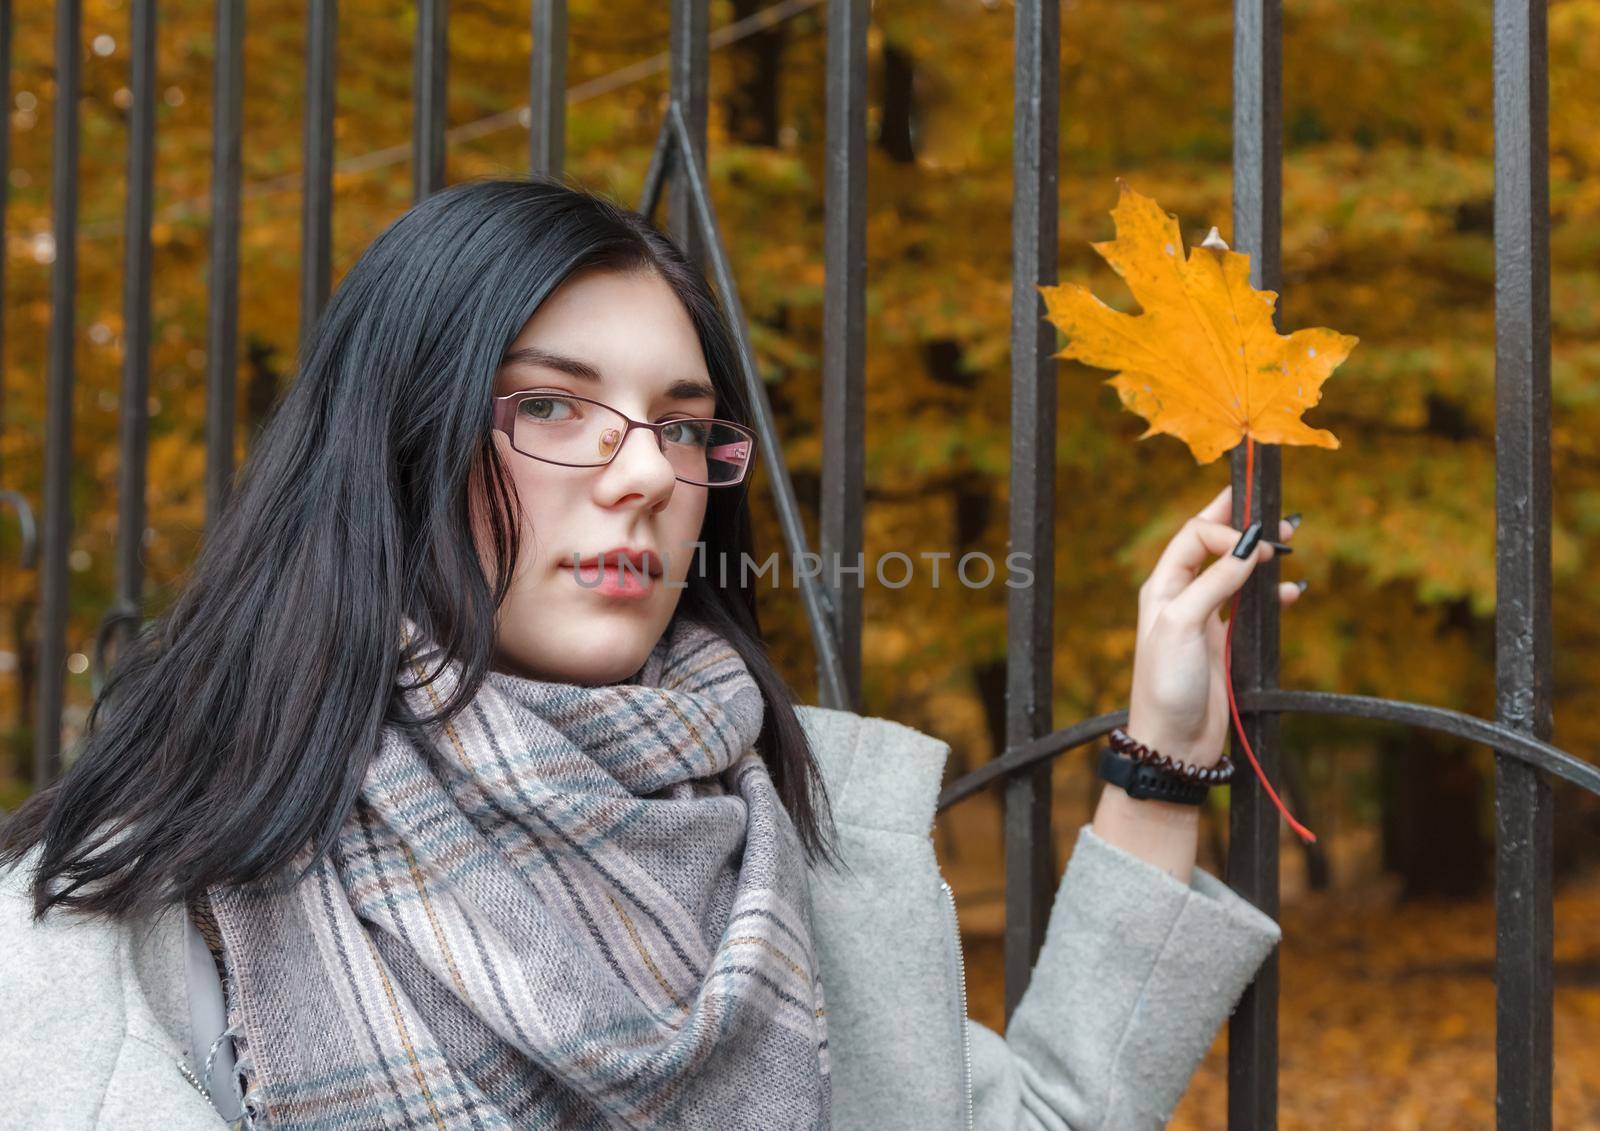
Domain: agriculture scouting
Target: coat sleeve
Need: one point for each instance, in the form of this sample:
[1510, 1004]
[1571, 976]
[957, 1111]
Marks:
[1135, 978]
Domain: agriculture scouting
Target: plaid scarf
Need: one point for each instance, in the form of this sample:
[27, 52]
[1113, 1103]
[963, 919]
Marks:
[585, 908]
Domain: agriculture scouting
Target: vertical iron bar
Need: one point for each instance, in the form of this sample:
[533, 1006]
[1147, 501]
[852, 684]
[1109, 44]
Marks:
[547, 88]
[58, 441]
[316, 201]
[430, 70]
[1524, 838]
[222, 310]
[844, 333]
[689, 53]
[134, 427]
[1030, 610]
[5, 183]
[27, 538]
[1253, 836]
[705, 219]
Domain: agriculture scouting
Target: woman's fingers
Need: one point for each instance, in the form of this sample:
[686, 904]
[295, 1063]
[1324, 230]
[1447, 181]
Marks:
[1196, 541]
[1215, 584]
[1220, 507]
[1200, 537]
[1206, 595]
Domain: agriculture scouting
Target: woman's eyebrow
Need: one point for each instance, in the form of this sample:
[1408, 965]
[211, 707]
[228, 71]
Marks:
[682, 390]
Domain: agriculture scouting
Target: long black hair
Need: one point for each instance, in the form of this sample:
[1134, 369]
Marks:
[236, 728]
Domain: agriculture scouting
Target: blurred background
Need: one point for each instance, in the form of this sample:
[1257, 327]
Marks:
[1387, 1012]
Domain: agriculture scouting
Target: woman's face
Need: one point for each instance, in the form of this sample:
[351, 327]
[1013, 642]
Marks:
[631, 331]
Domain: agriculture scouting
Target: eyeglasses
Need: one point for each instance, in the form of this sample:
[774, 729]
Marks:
[574, 431]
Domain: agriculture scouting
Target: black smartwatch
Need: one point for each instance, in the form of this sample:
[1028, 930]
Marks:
[1146, 780]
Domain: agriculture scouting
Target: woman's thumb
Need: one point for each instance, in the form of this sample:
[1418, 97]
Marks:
[1219, 581]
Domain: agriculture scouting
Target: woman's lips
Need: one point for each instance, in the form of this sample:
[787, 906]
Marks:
[613, 581]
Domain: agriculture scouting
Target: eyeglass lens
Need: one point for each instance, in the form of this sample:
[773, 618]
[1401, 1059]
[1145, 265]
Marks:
[571, 431]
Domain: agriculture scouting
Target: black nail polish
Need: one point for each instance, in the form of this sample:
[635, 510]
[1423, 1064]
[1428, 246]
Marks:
[1293, 520]
[1247, 541]
[1281, 547]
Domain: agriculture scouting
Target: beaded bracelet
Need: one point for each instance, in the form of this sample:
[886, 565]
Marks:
[1124, 743]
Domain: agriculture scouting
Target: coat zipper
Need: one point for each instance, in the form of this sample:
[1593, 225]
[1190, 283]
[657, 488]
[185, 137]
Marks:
[241, 1122]
[195, 1080]
[961, 983]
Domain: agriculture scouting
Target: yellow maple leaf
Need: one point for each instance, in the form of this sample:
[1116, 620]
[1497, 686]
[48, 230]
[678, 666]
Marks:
[1203, 362]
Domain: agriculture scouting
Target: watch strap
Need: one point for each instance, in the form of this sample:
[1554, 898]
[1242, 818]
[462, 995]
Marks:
[1146, 780]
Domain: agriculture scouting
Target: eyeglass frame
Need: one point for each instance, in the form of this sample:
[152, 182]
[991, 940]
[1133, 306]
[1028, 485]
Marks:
[505, 415]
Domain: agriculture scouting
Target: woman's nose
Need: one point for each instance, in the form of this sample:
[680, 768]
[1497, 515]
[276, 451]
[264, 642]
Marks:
[640, 466]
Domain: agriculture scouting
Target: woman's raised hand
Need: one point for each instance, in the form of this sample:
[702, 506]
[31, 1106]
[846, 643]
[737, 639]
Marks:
[1179, 703]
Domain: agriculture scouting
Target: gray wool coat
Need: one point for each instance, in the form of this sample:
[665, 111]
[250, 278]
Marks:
[107, 1025]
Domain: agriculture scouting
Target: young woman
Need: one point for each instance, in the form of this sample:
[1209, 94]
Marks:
[457, 790]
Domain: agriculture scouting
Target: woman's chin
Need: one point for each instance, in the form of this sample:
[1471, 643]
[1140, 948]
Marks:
[598, 648]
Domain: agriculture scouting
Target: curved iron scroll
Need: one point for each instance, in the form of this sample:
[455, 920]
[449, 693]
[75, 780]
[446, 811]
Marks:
[29, 532]
[1513, 743]
[119, 612]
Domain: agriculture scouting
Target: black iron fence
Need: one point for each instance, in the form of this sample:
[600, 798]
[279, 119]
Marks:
[1525, 761]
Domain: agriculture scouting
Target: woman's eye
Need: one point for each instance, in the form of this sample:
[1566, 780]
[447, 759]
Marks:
[545, 408]
[685, 432]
